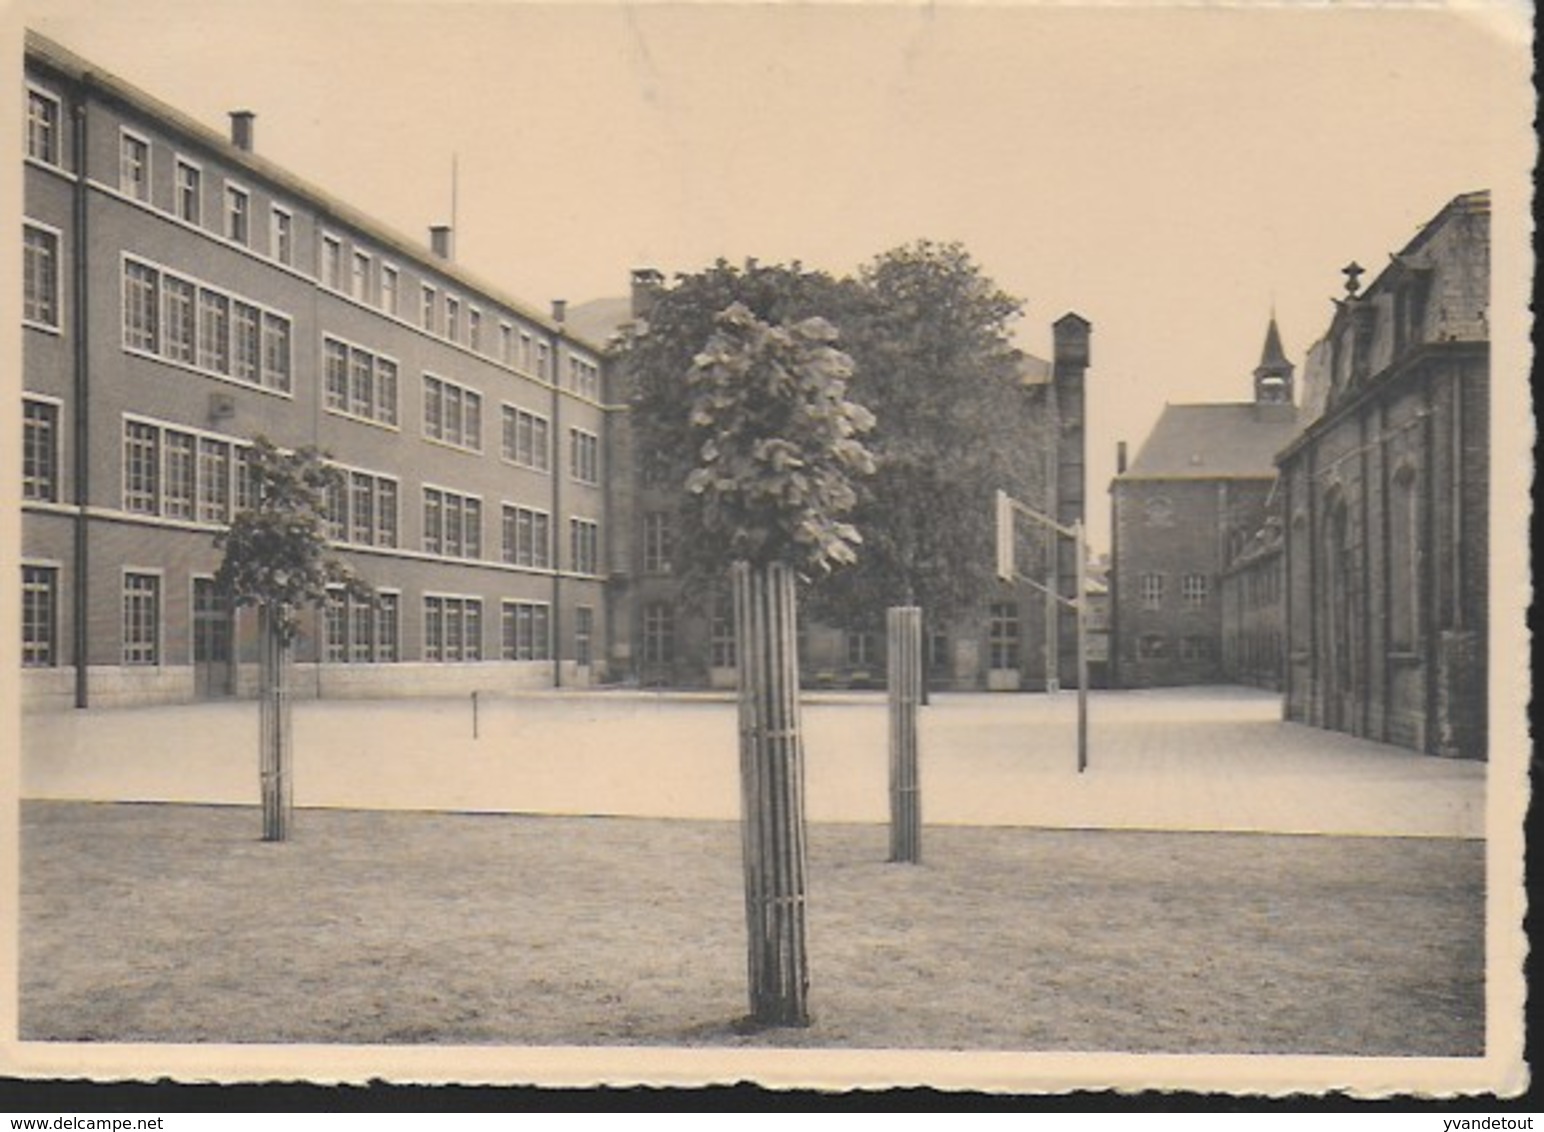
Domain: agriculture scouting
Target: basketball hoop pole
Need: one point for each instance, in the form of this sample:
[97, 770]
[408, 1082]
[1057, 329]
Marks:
[1007, 570]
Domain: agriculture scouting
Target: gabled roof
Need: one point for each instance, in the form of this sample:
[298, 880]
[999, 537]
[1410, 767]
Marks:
[1218, 441]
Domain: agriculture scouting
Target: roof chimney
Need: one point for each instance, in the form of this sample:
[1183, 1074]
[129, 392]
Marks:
[241, 129]
[441, 241]
[1120, 457]
[559, 310]
[647, 283]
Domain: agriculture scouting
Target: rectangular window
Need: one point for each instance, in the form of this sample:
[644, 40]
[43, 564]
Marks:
[1195, 648]
[214, 331]
[426, 309]
[238, 215]
[1194, 588]
[506, 343]
[40, 276]
[658, 542]
[281, 235]
[134, 166]
[584, 636]
[544, 361]
[584, 546]
[452, 628]
[721, 636]
[190, 192]
[40, 451]
[359, 280]
[361, 384]
[276, 352]
[246, 482]
[141, 306]
[1152, 591]
[584, 377]
[141, 618]
[178, 501]
[332, 262]
[452, 524]
[335, 374]
[1152, 646]
[527, 537]
[361, 635]
[658, 632]
[39, 616]
[1003, 635]
[337, 508]
[583, 456]
[390, 281]
[525, 352]
[362, 508]
[386, 391]
[385, 512]
[526, 631]
[452, 318]
[141, 468]
[246, 342]
[214, 479]
[42, 127]
[452, 414]
[335, 627]
[525, 439]
[474, 328]
[179, 331]
[387, 628]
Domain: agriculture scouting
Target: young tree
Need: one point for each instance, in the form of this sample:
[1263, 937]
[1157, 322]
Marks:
[777, 446]
[276, 558]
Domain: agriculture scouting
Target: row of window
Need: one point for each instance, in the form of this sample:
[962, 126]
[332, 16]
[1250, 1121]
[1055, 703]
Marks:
[195, 325]
[189, 475]
[1194, 589]
[354, 631]
[359, 276]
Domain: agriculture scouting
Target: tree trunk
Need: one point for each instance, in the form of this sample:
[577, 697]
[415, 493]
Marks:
[904, 651]
[274, 729]
[772, 794]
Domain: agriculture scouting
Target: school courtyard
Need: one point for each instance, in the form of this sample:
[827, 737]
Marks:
[562, 869]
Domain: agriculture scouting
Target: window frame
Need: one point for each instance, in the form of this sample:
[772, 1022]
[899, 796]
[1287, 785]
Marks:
[52, 130]
[135, 188]
[135, 652]
[48, 478]
[184, 195]
[49, 252]
[236, 211]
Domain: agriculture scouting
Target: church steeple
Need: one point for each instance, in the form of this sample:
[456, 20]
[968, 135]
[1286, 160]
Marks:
[1273, 376]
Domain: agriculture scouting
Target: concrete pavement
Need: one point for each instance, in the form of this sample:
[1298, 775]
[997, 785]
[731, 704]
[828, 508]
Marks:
[1177, 759]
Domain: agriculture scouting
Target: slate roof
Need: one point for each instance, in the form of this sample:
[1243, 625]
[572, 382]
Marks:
[1217, 441]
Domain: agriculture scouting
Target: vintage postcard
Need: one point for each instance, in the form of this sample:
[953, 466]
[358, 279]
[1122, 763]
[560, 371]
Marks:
[828, 545]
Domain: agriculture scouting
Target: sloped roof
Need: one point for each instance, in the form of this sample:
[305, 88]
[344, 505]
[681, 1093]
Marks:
[1215, 442]
[596, 320]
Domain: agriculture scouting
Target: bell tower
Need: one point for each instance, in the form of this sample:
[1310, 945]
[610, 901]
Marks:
[1273, 376]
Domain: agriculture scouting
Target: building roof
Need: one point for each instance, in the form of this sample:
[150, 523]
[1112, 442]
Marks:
[1272, 356]
[59, 58]
[1216, 441]
[596, 320]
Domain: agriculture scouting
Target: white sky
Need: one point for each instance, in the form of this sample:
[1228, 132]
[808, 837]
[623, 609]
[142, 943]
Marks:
[1169, 174]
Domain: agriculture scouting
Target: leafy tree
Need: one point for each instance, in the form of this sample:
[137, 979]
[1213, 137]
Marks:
[935, 363]
[275, 556]
[776, 444]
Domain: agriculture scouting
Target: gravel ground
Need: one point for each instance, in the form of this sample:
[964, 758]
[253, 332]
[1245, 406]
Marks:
[173, 923]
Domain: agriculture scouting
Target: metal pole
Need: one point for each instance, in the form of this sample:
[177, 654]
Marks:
[474, 715]
[1081, 612]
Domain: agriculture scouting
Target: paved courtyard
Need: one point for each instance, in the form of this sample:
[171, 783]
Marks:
[1182, 759]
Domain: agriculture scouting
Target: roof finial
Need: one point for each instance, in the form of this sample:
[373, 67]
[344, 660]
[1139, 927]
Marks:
[1353, 273]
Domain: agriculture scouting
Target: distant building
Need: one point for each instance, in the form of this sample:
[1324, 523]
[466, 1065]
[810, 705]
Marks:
[1182, 511]
[666, 636]
[1384, 500]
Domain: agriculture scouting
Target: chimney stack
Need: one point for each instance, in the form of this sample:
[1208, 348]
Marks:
[647, 283]
[559, 310]
[1120, 457]
[241, 129]
[442, 241]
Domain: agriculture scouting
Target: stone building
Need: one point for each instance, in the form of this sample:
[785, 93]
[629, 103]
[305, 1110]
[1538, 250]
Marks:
[1384, 501]
[1182, 512]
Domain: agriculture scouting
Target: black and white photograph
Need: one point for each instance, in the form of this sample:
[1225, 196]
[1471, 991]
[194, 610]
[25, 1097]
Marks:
[830, 545]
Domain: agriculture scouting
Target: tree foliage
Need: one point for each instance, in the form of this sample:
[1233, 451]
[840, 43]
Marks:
[276, 548]
[777, 443]
[936, 363]
[929, 336]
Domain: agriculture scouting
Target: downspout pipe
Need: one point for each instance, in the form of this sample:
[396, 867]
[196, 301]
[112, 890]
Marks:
[81, 409]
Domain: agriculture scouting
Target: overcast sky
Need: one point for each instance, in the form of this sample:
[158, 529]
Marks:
[1169, 174]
